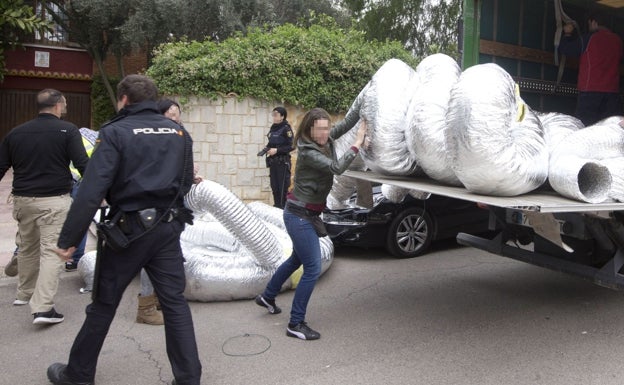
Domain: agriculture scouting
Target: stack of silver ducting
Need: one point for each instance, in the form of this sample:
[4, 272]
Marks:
[493, 143]
[497, 142]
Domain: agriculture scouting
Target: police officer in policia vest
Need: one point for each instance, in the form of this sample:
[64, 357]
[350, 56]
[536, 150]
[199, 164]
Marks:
[277, 153]
[143, 166]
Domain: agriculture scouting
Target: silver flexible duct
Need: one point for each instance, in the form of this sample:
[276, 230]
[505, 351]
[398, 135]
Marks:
[397, 194]
[86, 269]
[209, 196]
[497, 141]
[616, 169]
[394, 194]
[425, 133]
[385, 107]
[215, 275]
[210, 234]
[576, 169]
[344, 186]
[557, 127]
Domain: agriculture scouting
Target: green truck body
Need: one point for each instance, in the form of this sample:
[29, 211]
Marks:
[519, 35]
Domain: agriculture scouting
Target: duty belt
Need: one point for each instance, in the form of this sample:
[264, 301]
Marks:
[146, 218]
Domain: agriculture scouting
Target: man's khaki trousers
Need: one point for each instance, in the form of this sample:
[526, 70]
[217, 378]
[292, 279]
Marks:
[40, 220]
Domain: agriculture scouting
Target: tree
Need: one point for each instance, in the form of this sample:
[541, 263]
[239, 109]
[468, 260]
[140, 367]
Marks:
[424, 26]
[16, 20]
[113, 27]
[96, 26]
[151, 23]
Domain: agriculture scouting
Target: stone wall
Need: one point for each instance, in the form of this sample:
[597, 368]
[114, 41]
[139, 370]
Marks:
[228, 133]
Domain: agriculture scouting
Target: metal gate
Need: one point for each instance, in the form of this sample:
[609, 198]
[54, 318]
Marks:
[19, 106]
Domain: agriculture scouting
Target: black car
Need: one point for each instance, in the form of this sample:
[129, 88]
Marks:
[405, 229]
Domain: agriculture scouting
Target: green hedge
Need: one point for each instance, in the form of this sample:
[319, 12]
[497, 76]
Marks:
[316, 66]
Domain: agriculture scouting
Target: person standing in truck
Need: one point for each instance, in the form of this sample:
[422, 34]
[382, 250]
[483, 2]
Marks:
[600, 54]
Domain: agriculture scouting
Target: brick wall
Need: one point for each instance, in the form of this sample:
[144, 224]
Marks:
[227, 134]
[135, 62]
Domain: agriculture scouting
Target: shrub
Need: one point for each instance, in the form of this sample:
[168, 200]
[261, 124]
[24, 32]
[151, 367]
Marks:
[316, 66]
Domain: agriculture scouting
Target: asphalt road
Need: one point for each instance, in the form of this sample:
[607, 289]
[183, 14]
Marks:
[455, 316]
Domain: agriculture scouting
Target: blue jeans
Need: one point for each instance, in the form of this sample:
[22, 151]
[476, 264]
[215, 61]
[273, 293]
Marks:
[80, 249]
[306, 252]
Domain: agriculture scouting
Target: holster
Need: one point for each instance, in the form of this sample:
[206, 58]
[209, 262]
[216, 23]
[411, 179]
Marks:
[112, 234]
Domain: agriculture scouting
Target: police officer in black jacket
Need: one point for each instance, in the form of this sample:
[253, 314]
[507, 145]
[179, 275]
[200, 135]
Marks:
[278, 155]
[142, 165]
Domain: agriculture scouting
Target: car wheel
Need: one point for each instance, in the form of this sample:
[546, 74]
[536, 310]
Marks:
[410, 233]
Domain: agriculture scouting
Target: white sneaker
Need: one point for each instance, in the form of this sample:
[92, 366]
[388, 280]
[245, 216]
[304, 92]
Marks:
[19, 302]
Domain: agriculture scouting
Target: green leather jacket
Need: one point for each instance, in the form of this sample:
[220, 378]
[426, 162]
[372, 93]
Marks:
[315, 170]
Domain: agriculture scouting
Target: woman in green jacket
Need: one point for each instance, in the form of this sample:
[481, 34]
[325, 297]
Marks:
[317, 164]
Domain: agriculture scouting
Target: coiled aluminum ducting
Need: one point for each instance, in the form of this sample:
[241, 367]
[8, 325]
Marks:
[557, 127]
[495, 144]
[216, 275]
[425, 132]
[397, 194]
[212, 197]
[344, 186]
[611, 152]
[86, 269]
[577, 166]
[385, 107]
[497, 141]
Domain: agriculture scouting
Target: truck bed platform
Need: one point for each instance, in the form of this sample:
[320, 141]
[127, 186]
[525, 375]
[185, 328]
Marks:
[541, 201]
[541, 206]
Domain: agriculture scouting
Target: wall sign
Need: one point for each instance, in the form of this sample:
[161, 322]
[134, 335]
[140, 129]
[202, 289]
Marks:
[42, 59]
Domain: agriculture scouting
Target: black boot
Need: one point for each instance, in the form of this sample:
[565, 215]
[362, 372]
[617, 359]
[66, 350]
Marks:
[57, 376]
